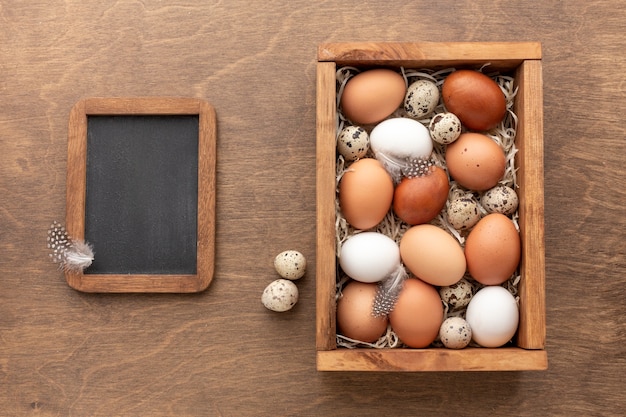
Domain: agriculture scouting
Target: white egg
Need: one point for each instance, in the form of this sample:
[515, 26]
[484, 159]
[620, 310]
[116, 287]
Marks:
[421, 98]
[445, 128]
[400, 143]
[369, 256]
[353, 142]
[500, 199]
[455, 333]
[493, 315]
[280, 295]
[290, 264]
[463, 212]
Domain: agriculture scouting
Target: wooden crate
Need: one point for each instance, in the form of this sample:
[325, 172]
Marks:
[523, 60]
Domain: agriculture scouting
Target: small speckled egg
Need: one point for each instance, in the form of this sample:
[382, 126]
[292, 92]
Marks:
[445, 128]
[280, 295]
[463, 212]
[290, 264]
[353, 142]
[457, 295]
[455, 333]
[421, 98]
[500, 199]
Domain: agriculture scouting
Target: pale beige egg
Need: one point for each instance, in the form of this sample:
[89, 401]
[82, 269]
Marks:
[432, 255]
[371, 96]
[354, 313]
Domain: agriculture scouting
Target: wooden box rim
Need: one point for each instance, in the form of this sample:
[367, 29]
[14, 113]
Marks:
[76, 192]
[524, 60]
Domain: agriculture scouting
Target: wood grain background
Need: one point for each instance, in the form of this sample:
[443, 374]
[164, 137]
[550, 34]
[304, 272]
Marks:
[220, 353]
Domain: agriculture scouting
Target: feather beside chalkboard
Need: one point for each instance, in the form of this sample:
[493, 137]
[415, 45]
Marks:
[72, 255]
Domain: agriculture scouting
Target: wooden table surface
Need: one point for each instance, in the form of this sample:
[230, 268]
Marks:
[220, 352]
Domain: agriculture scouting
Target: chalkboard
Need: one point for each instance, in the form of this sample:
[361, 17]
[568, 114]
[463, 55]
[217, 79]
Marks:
[140, 190]
[142, 194]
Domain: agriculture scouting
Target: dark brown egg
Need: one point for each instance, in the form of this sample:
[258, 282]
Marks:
[419, 199]
[476, 99]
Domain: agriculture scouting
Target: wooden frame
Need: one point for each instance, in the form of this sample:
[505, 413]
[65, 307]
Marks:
[524, 60]
[76, 192]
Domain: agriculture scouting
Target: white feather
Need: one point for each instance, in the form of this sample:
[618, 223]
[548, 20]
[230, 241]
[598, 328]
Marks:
[78, 256]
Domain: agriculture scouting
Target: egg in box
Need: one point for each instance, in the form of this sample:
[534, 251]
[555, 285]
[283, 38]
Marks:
[426, 154]
[372, 96]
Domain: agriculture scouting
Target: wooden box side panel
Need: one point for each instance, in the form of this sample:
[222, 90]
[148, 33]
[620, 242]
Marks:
[325, 195]
[434, 359]
[503, 56]
[529, 105]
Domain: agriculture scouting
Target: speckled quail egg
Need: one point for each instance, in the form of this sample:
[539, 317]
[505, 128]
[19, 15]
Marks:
[290, 264]
[421, 98]
[455, 333]
[280, 295]
[500, 199]
[463, 213]
[353, 142]
[445, 128]
[457, 295]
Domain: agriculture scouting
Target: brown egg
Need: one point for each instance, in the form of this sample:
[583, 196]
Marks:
[418, 314]
[476, 99]
[419, 199]
[354, 313]
[493, 249]
[365, 193]
[475, 161]
[432, 255]
[372, 95]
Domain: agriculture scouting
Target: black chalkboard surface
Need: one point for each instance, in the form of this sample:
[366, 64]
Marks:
[142, 194]
[141, 191]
